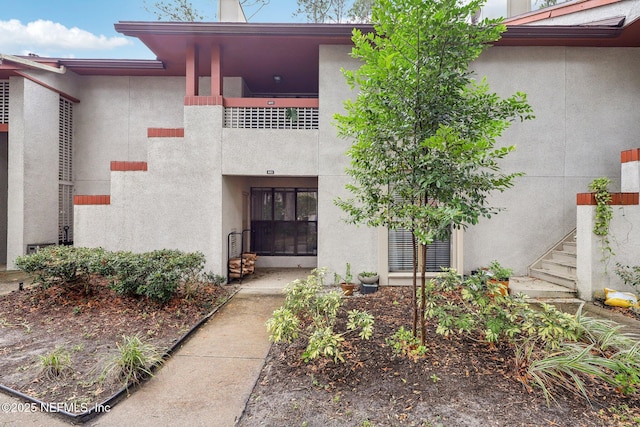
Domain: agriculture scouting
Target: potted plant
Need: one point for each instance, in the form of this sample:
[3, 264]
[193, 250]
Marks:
[347, 284]
[368, 281]
[499, 275]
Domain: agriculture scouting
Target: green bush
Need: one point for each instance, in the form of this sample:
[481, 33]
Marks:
[551, 348]
[55, 364]
[133, 361]
[310, 312]
[156, 275]
[630, 275]
[53, 265]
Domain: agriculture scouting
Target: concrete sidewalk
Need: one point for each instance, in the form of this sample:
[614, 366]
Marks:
[209, 379]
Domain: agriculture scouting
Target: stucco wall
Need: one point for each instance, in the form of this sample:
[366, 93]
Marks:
[595, 271]
[338, 241]
[176, 204]
[32, 216]
[254, 151]
[585, 115]
[111, 121]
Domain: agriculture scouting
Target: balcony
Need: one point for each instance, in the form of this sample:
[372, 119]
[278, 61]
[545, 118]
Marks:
[271, 113]
[270, 136]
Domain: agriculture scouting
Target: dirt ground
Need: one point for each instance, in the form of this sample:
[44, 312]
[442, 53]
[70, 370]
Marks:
[34, 322]
[460, 382]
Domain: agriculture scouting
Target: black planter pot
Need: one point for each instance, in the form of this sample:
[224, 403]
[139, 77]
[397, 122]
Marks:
[367, 288]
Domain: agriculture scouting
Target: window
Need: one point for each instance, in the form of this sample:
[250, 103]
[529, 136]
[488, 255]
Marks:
[401, 252]
[284, 221]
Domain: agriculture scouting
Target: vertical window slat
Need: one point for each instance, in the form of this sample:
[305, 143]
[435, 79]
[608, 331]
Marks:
[65, 172]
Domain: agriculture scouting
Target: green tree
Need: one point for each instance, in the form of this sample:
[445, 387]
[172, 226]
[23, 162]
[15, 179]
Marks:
[337, 11]
[318, 11]
[361, 11]
[175, 10]
[424, 156]
[183, 10]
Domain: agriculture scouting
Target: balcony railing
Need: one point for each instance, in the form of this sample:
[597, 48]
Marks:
[267, 113]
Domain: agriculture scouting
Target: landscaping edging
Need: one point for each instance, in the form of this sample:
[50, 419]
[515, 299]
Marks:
[99, 408]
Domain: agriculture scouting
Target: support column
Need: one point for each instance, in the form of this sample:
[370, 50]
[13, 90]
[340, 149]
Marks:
[216, 71]
[192, 65]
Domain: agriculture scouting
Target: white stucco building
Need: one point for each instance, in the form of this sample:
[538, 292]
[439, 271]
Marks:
[230, 129]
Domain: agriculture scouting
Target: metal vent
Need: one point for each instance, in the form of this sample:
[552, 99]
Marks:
[4, 101]
[65, 172]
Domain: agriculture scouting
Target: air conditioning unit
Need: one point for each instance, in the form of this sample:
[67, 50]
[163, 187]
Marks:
[35, 247]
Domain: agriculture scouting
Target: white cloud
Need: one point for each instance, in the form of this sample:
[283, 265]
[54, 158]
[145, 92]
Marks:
[47, 38]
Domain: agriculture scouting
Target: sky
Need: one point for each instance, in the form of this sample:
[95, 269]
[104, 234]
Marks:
[84, 28]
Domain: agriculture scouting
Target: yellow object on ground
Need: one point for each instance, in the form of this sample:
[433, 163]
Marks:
[620, 299]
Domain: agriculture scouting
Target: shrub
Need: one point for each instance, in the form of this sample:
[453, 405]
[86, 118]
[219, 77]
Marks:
[311, 313]
[133, 361]
[56, 363]
[155, 275]
[551, 348]
[630, 275]
[54, 265]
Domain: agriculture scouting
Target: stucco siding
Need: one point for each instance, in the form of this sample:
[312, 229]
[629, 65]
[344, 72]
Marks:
[33, 167]
[256, 151]
[112, 119]
[338, 241]
[585, 116]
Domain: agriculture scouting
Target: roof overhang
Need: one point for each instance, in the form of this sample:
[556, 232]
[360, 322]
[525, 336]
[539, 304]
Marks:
[257, 52]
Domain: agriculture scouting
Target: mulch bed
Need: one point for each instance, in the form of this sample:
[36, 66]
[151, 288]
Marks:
[34, 322]
[460, 382]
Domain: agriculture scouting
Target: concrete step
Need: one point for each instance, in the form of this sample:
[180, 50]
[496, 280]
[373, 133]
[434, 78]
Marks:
[566, 280]
[563, 267]
[562, 256]
[569, 247]
[539, 289]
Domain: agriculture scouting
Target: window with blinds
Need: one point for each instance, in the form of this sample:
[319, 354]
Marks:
[401, 252]
[65, 172]
[4, 101]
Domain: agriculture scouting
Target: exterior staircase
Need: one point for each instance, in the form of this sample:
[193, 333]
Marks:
[553, 275]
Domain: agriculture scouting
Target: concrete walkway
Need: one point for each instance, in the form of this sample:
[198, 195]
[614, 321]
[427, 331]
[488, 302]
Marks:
[208, 381]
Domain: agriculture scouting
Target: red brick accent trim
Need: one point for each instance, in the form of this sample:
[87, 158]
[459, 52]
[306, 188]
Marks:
[165, 132]
[589, 199]
[4, 127]
[128, 166]
[203, 100]
[630, 155]
[92, 200]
